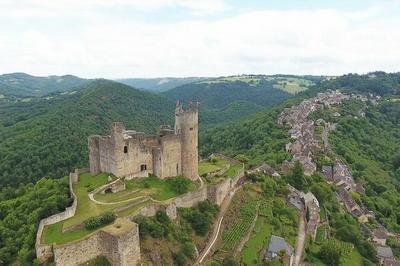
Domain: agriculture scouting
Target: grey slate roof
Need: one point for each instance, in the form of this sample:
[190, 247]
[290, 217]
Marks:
[277, 244]
[384, 252]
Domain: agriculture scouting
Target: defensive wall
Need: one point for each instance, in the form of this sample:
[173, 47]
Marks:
[118, 242]
[44, 252]
[105, 243]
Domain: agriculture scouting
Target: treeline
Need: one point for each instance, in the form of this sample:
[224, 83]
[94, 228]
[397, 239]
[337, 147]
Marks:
[379, 83]
[21, 209]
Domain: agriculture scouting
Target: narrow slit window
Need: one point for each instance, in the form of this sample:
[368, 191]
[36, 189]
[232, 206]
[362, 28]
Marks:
[125, 149]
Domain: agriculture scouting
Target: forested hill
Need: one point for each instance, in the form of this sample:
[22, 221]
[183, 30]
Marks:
[24, 85]
[378, 83]
[158, 84]
[228, 98]
[49, 137]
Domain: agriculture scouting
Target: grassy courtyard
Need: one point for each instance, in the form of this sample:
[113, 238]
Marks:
[212, 166]
[138, 194]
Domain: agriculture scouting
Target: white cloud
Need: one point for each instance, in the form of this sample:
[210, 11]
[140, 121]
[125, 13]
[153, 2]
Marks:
[268, 41]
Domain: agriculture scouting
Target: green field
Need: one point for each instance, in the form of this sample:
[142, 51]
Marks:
[209, 167]
[258, 241]
[233, 170]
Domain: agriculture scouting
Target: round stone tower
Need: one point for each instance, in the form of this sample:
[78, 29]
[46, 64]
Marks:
[187, 126]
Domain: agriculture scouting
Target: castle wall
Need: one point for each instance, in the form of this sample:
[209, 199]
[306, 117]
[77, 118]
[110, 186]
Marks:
[151, 210]
[217, 192]
[107, 162]
[94, 154]
[170, 156]
[192, 198]
[118, 242]
[44, 252]
[138, 154]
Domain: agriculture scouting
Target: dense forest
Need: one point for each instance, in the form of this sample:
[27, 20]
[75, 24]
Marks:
[48, 137]
[371, 146]
[53, 141]
[21, 209]
[222, 101]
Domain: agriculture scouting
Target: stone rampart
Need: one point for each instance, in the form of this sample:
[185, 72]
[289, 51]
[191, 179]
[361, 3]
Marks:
[237, 177]
[217, 192]
[44, 252]
[118, 242]
[191, 199]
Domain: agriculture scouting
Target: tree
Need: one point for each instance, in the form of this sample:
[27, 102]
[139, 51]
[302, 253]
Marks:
[330, 252]
[230, 262]
[296, 176]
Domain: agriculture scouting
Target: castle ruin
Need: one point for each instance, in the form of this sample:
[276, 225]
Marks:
[132, 154]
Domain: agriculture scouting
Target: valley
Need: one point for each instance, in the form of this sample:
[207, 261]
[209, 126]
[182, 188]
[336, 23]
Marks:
[320, 129]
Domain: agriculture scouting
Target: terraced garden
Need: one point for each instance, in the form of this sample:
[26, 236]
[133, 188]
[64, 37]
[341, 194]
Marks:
[233, 235]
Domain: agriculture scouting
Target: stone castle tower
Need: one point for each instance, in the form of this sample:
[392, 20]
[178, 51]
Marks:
[186, 125]
[132, 154]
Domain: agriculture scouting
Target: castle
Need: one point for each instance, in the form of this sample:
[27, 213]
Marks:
[131, 154]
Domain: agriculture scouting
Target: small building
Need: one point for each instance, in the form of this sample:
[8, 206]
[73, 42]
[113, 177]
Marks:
[379, 236]
[267, 169]
[391, 262]
[327, 171]
[384, 254]
[276, 246]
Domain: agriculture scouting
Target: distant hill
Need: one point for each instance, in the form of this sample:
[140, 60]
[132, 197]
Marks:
[225, 99]
[48, 137]
[158, 84]
[21, 84]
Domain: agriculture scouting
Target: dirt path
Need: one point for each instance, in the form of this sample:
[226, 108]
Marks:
[214, 236]
[301, 237]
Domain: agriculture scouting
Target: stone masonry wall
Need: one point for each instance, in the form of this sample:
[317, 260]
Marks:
[218, 192]
[192, 198]
[44, 252]
[118, 242]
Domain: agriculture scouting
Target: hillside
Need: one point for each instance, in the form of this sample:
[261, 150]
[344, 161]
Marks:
[226, 99]
[24, 85]
[158, 84]
[49, 137]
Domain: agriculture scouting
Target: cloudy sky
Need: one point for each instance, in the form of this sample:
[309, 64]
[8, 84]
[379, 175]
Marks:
[153, 38]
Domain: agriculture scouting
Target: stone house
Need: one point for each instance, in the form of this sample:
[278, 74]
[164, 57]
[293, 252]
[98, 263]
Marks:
[276, 246]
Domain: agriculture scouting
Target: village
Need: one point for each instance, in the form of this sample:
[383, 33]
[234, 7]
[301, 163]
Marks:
[304, 144]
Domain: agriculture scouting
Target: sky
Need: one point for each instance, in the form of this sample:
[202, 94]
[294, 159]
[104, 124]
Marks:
[181, 38]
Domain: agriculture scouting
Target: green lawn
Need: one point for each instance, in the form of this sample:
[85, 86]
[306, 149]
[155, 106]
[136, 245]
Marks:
[157, 188]
[87, 208]
[354, 258]
[208, 167]
[233, 170]
[259, 240]
[52, 234]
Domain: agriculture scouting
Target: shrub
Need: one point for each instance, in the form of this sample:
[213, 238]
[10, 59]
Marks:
[96, 222]
[180, 259]
[101, 261]
[179, 184]
[189, 250]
